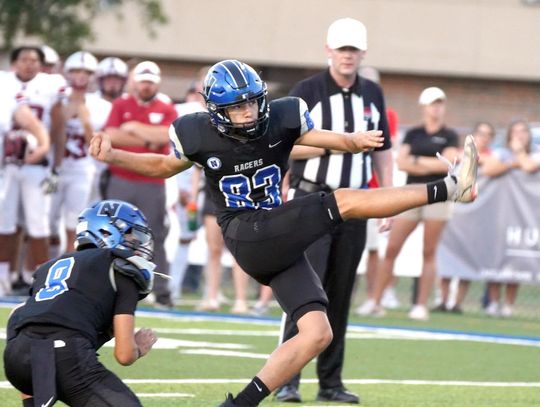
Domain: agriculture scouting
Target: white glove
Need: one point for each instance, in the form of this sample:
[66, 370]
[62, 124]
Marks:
[50, 184]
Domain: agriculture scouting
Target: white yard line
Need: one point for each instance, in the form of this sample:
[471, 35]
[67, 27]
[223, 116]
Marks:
[165, 395]
[349, 381]
[7, 385]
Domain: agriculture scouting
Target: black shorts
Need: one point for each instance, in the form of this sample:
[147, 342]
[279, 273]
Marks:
[269, 245]
[80, 378]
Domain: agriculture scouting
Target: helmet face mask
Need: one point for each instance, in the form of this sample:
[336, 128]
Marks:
[230, 83]
[115, 224]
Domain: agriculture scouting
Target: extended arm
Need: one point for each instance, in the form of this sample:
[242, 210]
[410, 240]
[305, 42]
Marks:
[350, 142]
[151, 165]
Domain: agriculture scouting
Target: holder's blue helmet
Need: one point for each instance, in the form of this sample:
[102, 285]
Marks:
[106, 224]
[230, 83]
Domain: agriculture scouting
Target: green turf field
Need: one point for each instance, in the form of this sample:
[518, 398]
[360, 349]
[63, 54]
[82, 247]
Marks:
[199, 359]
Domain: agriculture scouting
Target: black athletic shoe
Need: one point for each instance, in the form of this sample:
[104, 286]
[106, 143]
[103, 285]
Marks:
[229, 401]
[288, 394]
[338, 394]
[439, 308]
[456, 309]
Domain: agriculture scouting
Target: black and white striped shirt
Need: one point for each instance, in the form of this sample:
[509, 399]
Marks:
[360, 107]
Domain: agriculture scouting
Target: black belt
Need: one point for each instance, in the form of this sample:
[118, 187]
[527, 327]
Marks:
[310, 187]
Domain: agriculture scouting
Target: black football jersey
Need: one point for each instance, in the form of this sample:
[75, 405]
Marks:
[243, 175]
[76, 291]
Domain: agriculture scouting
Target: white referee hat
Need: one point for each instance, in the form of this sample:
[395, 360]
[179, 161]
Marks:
[347, 32]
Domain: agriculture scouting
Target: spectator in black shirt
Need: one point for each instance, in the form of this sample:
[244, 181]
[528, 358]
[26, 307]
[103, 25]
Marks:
[417, 157]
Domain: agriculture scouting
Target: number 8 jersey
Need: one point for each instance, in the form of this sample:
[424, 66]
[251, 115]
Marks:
[243, 175]
[77, 291]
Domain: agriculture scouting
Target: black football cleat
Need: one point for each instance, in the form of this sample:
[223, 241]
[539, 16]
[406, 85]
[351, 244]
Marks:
[229, 401]
[288, 394]
[338, 394]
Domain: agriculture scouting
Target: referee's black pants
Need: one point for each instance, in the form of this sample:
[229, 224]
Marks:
[335, 258]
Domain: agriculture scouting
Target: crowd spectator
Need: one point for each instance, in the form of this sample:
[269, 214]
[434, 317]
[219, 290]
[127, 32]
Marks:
[517, 153]
[185, 207]
[484, 134]
[139, 123]
[417, 157]
[373, 230]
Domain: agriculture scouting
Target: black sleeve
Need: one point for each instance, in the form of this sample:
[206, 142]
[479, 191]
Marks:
[127, 295]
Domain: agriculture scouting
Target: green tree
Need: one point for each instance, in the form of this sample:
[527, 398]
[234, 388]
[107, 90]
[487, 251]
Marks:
[65, 24]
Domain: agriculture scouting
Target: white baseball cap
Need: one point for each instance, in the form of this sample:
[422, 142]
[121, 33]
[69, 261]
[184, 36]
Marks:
[430, 95]
[347, 32]
[147, 71]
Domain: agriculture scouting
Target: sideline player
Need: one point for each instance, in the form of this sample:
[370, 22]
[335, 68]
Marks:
[243, 144]
[82, 113]
[29, 204]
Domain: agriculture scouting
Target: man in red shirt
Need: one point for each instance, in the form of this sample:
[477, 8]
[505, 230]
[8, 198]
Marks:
[139, 122]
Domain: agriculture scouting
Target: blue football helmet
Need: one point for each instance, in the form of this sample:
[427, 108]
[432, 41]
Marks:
[115, 224]
[229, 83]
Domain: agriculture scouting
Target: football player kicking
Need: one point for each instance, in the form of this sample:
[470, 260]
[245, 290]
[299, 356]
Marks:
[78, 302]
[243, 143]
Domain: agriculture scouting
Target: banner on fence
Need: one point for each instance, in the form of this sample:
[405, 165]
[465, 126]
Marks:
[497, 237]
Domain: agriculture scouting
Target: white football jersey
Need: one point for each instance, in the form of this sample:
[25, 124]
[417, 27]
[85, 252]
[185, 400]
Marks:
[76, 150]
[9, 105]
[42, 92]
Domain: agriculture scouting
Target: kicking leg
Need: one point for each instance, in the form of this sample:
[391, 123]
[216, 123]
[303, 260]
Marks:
[459, 185]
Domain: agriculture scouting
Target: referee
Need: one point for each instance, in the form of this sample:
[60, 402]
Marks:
[340, 100]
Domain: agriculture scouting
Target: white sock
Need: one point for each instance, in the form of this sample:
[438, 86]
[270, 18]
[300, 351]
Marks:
[451, 186]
